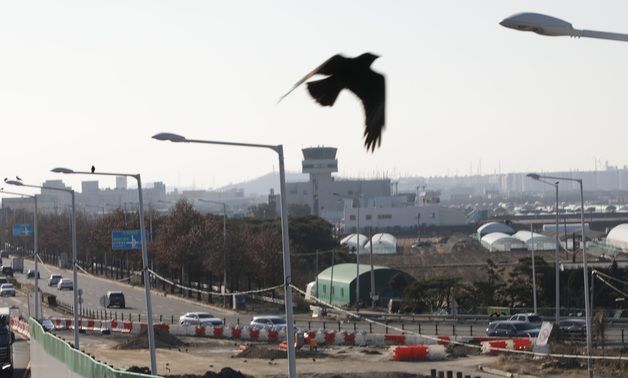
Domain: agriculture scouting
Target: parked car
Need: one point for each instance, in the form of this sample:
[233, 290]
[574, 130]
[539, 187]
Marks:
[7, 270]
[512, 328]
[54, 279]
[270, 321]
[65, 283]
[573, 325]
[3, 280]
[200, 318]
[114, 299]
[47, 324]
[7, 290]
[528, 318]
[31, 273]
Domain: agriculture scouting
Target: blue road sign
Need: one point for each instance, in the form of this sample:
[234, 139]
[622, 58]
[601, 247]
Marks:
[22, 229]
[126, 239]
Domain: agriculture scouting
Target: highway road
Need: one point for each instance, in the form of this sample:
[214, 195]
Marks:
[170, 307]
[21, 347]
[94, 288]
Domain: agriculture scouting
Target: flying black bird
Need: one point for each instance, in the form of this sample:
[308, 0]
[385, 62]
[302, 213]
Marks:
[356, 75]
[18, 178]
[93, 169]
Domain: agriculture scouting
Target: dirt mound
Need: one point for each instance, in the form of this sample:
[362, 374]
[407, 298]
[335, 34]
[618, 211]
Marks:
[163, 339]
[462, 243]
[226, 372]
[262, 352]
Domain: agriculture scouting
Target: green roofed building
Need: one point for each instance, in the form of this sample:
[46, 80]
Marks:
[342, 289]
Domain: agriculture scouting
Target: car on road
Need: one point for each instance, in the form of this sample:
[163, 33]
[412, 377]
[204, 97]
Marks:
[573, 325]
[65, 283]
[54, 279]
[512, 328]
[114, 299]
[200, 318]
[3, 280]
[528, 318]
[31, 273]
[7, 290]
[47, 324]
[7, 270]
[270, 321]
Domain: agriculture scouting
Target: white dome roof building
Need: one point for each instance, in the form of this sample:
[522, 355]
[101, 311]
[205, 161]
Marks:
[351, 241]
[618, 237]
[383, 244]
[490, 227]
[541, 242]
[501, 242]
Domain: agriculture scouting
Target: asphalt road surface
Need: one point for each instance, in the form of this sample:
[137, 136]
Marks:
[171, 307]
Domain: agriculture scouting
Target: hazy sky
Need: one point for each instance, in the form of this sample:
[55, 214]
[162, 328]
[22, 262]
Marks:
[89, 82]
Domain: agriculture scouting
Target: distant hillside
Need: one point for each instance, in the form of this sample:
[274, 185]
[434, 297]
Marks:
[262, 185]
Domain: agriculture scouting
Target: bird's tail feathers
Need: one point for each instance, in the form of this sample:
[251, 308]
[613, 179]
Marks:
[325, 91]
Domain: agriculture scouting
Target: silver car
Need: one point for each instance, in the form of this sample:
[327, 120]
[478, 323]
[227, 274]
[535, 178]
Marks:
[54, 279]
[270, 321]
[7, 290]
[200, 318]
[65, 283]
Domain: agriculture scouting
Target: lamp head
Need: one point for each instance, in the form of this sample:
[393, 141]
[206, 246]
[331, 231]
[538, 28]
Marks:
[539, 24]
[534, 176]
[62, 170]
[13, 182]
[169, 136]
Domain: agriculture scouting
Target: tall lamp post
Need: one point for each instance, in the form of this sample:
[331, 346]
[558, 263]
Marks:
[557, 253]
[551, 26]
[74, 257]
[149, 306]
[292, 369]
[224, 246]
[587, 308]
[357, 250]
[35, 248]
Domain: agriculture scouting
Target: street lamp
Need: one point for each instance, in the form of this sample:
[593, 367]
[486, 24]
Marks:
[224, 246]
[35, 249]
[357, 251]
[551, 26]
[292, 370]
[587, 308]
[74, 258]
[557, 253]
[149, 307]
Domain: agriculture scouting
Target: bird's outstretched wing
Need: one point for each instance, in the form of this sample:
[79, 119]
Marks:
[372, 91]
[328, 67]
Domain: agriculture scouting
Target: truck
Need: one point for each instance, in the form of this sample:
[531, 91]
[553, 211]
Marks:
[7, 338]
[17, 263]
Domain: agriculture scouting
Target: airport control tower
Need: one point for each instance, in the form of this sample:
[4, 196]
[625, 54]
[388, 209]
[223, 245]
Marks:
[320, 163]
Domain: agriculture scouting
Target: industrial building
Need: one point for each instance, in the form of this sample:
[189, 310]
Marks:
[337, 284]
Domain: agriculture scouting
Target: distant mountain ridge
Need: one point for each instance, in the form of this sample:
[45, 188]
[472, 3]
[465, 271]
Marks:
[261, 186]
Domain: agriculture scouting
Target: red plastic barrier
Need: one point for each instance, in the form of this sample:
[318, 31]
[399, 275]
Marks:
[218, 331]
[349, 338]
[522, 344]
[199, 331]
[272, 335]
[330, 337]
[236, 333]
[443, 340]
[254, 333]
[411, 353]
